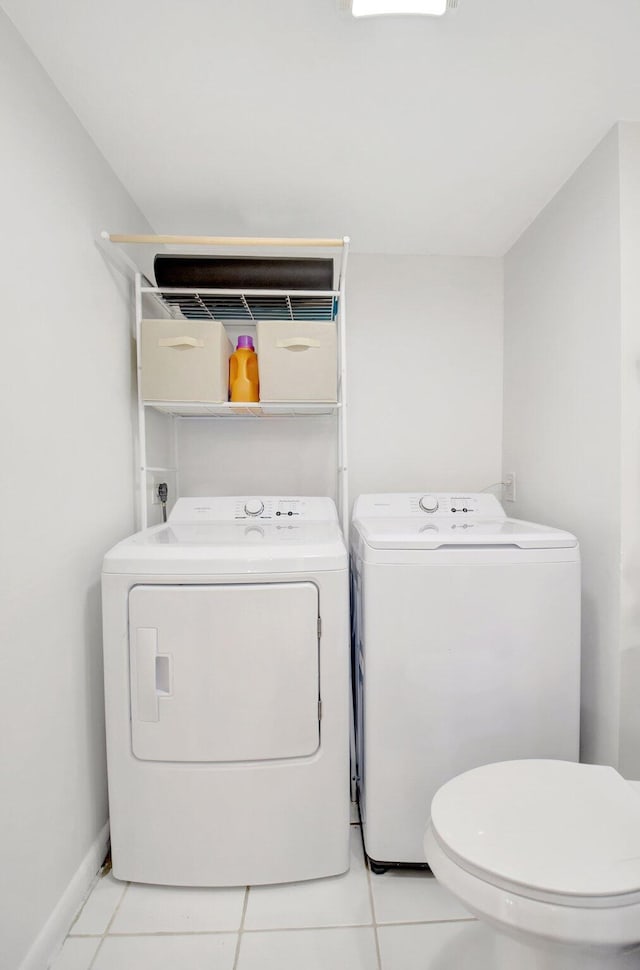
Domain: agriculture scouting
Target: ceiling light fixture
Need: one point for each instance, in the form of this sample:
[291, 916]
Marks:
[378, 8]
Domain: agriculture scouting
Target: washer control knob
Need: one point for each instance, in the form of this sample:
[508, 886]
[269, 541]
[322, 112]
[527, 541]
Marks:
[254, 506]
[428, 503]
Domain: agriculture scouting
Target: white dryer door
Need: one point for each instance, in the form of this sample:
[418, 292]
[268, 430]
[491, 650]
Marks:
[224, 673]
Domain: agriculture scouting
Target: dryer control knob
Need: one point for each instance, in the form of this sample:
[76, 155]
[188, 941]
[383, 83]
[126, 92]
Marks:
[254, 506]
[428, 503]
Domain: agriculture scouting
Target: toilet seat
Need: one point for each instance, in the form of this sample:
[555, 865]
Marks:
[527, 919]
[557, 832]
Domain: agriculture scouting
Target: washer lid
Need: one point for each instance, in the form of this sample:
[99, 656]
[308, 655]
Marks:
[553, 826]
[237, 534]
[450, 530]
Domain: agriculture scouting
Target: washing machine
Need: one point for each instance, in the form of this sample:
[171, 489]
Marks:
[466, 651]
[226, 664]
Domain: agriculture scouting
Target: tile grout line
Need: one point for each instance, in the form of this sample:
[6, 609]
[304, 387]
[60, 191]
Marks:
[373, 915]
[136, 933]
[241, 927]
[374, 924]
[371, 903]
[108, 926]
[370, 889]
[281, 929]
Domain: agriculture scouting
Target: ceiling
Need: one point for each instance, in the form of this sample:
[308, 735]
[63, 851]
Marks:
[289, 117]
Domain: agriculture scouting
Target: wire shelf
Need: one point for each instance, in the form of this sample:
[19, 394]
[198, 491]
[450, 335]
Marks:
[247, 305]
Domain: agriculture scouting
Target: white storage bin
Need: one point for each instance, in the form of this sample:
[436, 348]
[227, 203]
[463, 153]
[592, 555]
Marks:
[185, 360]
[297, 361]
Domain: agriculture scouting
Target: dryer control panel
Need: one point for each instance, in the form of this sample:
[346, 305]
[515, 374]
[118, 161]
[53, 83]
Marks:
[428, 505]
[236, 508]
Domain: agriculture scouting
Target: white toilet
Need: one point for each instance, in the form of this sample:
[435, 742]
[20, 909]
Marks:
[547, 853]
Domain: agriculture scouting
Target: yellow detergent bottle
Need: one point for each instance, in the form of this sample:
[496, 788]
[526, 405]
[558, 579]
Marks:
[243, 372]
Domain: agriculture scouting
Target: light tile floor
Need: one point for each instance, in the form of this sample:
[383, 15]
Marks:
[358, 921]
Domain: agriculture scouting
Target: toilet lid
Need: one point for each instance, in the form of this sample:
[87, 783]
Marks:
[553, 826]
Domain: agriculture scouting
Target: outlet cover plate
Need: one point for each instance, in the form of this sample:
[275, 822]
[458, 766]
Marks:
[509, 487]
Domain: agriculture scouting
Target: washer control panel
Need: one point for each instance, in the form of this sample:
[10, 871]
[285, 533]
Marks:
[273, 508]
[429, 505]
[250, 508]
[447, 504]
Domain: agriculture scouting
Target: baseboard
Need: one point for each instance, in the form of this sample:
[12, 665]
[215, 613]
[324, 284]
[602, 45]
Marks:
[54, 931]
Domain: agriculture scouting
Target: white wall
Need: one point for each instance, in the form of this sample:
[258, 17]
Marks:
[65, 393]
[629, 147]
[424, 345]
[275, 456]
[424, 359]
[562, 399]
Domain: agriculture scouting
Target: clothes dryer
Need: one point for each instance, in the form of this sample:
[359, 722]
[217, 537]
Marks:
[226, 663]
[467, 651]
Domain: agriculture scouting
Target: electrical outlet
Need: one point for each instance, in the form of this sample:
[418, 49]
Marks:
[509, 487]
